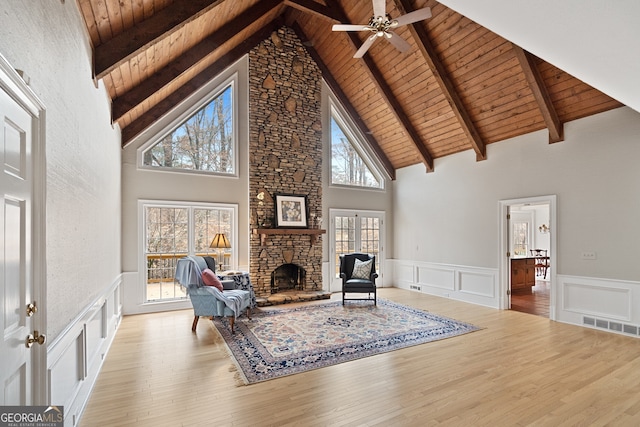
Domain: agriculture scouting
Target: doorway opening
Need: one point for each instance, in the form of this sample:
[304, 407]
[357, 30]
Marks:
[528, 255]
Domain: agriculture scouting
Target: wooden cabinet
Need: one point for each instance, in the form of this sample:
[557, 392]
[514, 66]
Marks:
[523, 274]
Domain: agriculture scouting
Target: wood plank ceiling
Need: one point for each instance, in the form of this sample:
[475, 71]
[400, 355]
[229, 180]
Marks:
[459, 87]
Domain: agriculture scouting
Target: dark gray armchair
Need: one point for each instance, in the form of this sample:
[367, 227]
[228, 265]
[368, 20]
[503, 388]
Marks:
[362, 279]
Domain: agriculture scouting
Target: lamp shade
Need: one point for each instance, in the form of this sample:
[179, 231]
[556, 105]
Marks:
[220, 241]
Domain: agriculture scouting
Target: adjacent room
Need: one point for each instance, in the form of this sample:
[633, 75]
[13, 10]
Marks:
[320, 212]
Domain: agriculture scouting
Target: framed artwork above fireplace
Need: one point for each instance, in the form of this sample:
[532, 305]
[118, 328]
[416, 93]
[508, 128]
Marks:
[291, 211]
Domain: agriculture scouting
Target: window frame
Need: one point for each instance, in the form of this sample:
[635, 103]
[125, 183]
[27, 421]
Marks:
[191, 249]
[358, 142]
[188, 112]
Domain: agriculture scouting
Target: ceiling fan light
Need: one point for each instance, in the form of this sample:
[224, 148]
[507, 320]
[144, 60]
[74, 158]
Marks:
[393, 23]
[388, 35]
[380, 33]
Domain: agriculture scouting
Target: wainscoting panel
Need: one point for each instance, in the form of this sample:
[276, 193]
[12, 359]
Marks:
[477, 283]
[67, 371]
[443, 278]
[588, 299]
[404, 274]
[464, 283]
[75, 358]
[612, 305]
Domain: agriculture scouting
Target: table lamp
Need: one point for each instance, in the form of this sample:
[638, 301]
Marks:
[220, 242]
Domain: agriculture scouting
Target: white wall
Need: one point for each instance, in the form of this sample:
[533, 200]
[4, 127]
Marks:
[449, 218]
[47, 40]
[147, 184]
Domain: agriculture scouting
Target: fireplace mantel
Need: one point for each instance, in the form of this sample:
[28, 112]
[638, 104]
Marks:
[311, 232]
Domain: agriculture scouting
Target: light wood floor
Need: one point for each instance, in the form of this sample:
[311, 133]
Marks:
[520, 370]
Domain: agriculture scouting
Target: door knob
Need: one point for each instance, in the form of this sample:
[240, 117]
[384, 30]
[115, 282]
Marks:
[35, 337]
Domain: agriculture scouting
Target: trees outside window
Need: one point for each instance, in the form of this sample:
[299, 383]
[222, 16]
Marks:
[204, 142]
[349, 164]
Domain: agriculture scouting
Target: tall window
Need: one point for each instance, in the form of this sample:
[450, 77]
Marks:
[349, 163]
[174, 231]
[204, 142]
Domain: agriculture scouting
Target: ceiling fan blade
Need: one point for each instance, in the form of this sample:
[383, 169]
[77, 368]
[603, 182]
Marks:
[379, 7]
[349, 27]
[400, 43]
[365, 46]
[411, 17]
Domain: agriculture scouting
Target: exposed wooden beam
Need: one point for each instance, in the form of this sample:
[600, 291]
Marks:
[124, 46]
[123, 104]
[353, 114]
[160, 109]
[446, 85]
[310, 6]
[540, 93]
[387, 94]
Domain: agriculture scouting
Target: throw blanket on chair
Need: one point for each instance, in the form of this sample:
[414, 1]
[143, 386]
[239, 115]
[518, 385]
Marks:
[188, 272]
[231, 298]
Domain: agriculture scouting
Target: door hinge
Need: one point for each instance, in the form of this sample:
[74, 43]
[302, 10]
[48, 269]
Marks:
[508, 254]
[508, 291]
[508, 216]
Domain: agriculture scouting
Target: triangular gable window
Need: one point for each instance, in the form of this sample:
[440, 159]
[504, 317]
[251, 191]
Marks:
[350, 164]
[204, 142]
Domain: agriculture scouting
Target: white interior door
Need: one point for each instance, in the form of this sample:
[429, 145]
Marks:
[16, 184]
[356, 231]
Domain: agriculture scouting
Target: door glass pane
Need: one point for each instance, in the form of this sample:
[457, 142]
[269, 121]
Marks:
[370, 237]
[345, 238]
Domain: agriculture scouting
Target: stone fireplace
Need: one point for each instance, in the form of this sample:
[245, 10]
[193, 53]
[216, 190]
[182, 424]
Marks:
[285, 133]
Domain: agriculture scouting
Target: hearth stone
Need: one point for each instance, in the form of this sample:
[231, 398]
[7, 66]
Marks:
[287, 297]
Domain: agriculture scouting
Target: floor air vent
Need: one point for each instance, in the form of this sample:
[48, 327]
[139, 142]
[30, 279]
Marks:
[415, 287]
[611, 326]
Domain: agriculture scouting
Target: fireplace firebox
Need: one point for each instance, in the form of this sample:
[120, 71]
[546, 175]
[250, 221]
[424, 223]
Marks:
[288, 277]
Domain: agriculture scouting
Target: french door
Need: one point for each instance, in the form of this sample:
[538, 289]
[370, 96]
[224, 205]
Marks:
[355, 231]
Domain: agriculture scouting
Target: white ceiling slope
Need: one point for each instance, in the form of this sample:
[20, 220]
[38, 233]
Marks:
[597, 42]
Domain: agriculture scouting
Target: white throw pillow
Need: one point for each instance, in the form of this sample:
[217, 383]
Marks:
[361, 269]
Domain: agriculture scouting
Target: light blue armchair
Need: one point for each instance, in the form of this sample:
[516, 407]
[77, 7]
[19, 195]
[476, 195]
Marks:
[207, 300]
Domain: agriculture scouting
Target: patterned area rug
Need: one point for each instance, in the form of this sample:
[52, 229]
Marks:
[288, 341]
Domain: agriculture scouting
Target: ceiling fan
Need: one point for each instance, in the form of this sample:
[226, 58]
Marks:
[381, 25]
